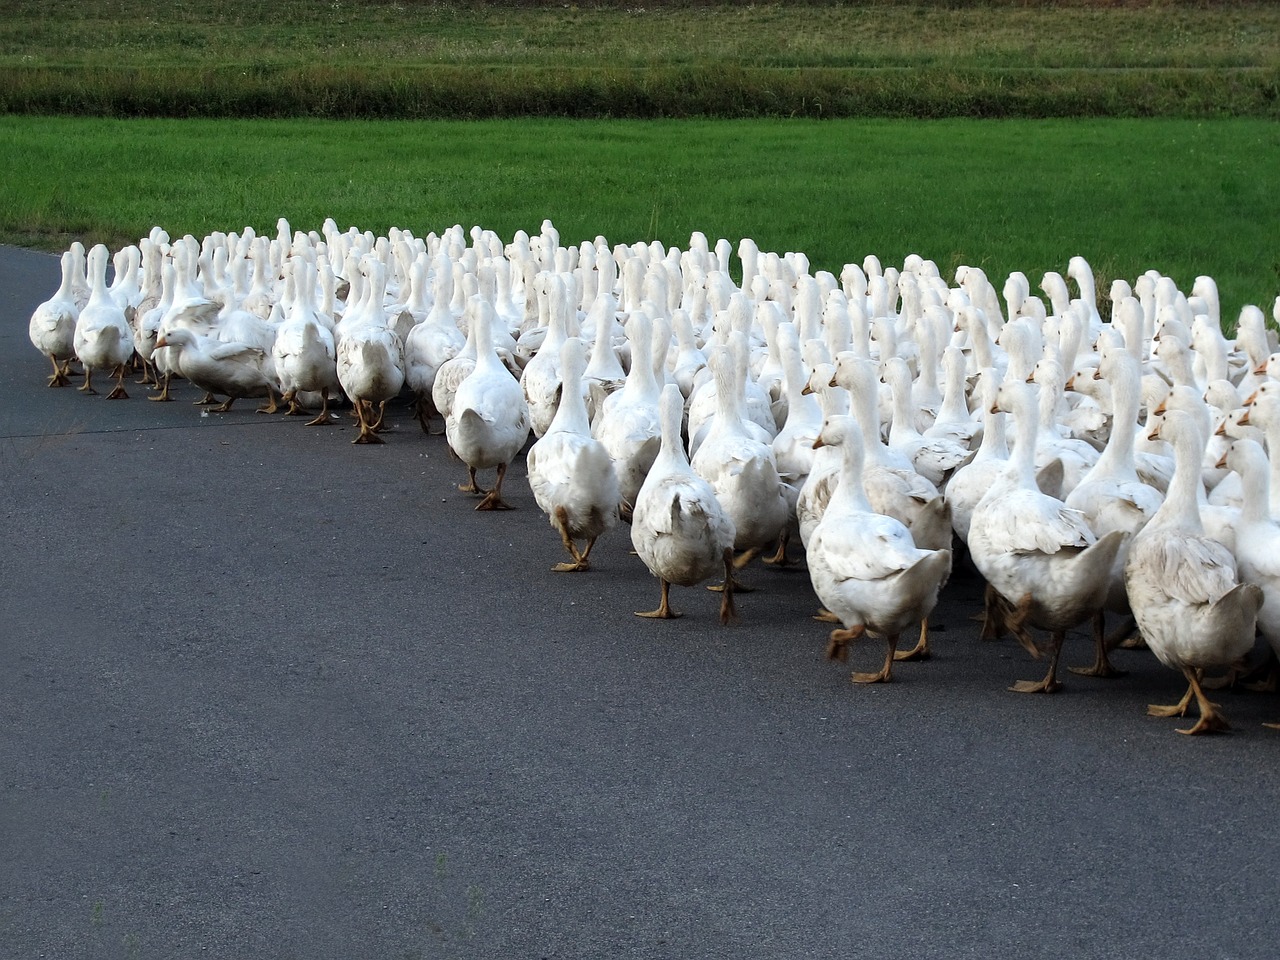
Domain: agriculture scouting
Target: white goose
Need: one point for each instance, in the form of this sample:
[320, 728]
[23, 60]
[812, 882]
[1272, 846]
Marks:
[741, 469]
[678, 527]
[103, 337]
[864, 566]
[232, 369]
[489, 420]
[1192, 610]
[53, 326]
[1112, 496]
[370, 356]
[570, 472]
[1258, 540]
[628, 423]
[1034, 551]
[304, 352]
[431, 343]
[933, 458]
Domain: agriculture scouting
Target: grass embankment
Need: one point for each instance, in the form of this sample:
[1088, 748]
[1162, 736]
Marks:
[1182, 197]
[344, 59]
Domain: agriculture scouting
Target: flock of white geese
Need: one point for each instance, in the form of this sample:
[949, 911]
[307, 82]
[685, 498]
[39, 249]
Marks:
[1083, 463]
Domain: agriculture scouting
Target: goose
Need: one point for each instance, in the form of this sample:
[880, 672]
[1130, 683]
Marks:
[53, 326]
[864, 566]
[793, 446]
[1077, 456]
[431, 343]
[305, 355]
[570, 472]
[147, 325]
[488, 422]
[1034, 551]
[1112, 496]
[103, 338]
[893, 486]
[971, 481]
[604, 374]
[190, 309]
[1190, 605]
[815, 493]
[1257, 549]
[933, 458]
[540, 378]
[678, 528]
[629, 424]
[954, 421]
[369, 356]
[741, 469]
[217, 367]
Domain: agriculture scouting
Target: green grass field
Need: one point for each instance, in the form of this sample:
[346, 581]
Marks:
[614, 58]
[1181, 197]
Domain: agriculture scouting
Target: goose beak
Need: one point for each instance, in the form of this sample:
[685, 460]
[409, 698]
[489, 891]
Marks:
[1222, 461]
[1244, 418]
[1261, 371]
[1097, 374]
[162, 342]
[807, 391]
[1161, 408]
[833, 383]
[818, 443]
[1252, 397]
[1070, 384]
[1222, 429]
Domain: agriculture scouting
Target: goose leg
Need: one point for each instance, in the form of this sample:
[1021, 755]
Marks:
[471, 486]
[727, 610]
[323, 419]
[561, 517]
[271, 405]
[745, 557]
[884, 674]
[838, 642]
[148, 372]
[366, 431]
[225, 406]
[207, 400]
[664, 611]
[382, 412]
[117, 392]
[295, 409]
[995, 613]
[779, 557]
[825, 616]
[921, 650]
[87, 386]
[1178, 709]
[163, 395]
[1050, 682]
[1101, 662]
[493, 499]
[1015, 621]
[59, 378]
[1211, 719]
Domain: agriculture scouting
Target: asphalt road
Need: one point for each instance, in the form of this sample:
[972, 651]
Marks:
[264, 693]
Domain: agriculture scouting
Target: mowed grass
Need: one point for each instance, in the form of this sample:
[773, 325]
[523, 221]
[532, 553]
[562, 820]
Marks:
[627, 58]
[644, 33]
[1181, 197]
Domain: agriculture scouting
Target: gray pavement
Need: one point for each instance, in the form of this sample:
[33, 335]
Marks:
[267, 694]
